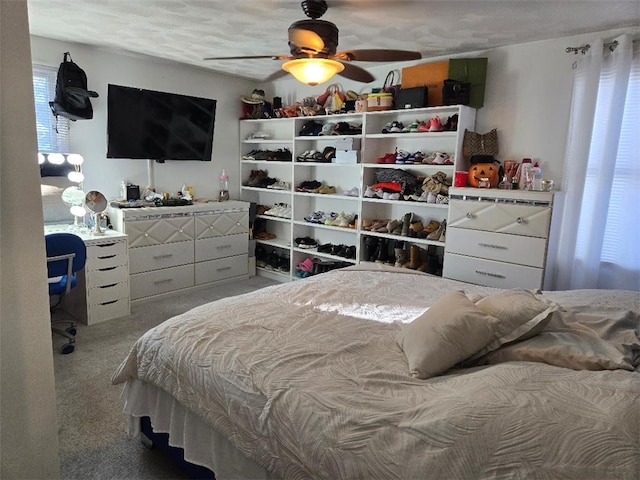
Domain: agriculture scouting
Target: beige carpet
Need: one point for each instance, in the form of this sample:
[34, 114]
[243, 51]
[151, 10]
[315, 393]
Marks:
[91, 426]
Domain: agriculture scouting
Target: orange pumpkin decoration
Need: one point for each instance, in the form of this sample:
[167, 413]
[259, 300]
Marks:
[484, 175]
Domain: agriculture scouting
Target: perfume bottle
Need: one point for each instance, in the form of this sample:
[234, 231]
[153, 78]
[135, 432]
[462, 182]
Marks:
[224, 186]
[505, 183]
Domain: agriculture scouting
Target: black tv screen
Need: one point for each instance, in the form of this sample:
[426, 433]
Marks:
[145, 124]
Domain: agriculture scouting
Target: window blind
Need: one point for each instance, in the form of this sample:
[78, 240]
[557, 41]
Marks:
[44, 91]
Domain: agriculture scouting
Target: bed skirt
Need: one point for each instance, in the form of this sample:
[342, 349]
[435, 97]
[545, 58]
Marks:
[202, 444]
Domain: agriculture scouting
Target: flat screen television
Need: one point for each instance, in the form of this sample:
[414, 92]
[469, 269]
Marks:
[145, 124]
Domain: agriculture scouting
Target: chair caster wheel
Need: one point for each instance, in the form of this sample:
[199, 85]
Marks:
[67, 348]
[71, 330]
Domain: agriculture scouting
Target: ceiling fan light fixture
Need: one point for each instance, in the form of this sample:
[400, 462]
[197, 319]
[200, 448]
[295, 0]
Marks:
[312, 71]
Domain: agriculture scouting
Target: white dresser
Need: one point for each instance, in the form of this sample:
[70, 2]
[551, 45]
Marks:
[498, 238]
[173, 248]
[102, 292]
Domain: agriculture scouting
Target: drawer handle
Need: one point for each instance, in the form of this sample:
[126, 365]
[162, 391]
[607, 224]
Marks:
[166, 255]
[489, 274]
[489, 245]
[469, 215]
[105, 245]
[166, 280]
[223, 246]
[520, 220]
[107, 256]
[109, 303]
[106, 269]
[222, 269]
[108, 286]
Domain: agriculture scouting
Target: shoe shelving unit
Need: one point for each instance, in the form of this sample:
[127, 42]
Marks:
[370, 145]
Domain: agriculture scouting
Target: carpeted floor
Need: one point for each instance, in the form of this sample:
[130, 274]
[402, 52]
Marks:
[91, 426]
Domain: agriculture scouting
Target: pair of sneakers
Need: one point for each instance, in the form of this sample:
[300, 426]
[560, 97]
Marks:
[279, 210]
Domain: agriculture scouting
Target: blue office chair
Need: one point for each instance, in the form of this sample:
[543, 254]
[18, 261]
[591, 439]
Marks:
[66, 255]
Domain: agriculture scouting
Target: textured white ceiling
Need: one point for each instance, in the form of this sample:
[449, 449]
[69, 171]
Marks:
[189, 30]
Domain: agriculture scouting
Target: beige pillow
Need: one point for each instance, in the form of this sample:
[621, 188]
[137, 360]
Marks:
[453, 329]
[522, 313]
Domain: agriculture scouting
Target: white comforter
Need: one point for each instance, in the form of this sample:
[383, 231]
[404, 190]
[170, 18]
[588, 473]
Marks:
[307, 379]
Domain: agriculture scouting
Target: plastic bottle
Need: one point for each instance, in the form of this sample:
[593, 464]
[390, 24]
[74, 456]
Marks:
[537, 177]
[224, 186]
[123, 190]
[525, 174]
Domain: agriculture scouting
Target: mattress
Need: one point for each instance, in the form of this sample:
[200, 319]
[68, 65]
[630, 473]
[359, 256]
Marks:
[308, 380]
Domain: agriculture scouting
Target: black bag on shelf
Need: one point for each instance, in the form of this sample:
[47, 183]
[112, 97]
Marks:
[415, 97]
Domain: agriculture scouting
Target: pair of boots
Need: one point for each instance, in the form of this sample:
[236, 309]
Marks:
[376, 250]
[431, 264]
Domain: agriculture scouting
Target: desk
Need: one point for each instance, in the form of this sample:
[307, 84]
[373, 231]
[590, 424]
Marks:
[102, 292]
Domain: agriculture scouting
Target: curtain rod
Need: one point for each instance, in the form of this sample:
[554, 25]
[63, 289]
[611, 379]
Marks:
[585, 48]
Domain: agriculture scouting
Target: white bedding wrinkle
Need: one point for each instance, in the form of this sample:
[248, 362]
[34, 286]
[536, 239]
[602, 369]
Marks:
[308, 391]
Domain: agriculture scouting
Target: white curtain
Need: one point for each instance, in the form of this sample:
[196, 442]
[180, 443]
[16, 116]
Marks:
[599, 238]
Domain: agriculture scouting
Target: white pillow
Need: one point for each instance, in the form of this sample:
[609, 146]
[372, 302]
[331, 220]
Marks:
[453, 329]
[456, 329]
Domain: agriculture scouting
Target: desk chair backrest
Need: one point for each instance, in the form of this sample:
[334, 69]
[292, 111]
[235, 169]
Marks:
[66, 255]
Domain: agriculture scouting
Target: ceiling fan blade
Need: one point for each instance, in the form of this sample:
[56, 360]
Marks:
[358, 74]
[276, 75]
[377, 55]
[251, 57]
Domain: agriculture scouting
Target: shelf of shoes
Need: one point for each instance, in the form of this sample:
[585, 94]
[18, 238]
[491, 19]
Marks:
[335, 203]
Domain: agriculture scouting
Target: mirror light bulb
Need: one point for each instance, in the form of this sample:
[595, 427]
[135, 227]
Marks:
[55, 158]
[76, 177]
[75, 159]
[78, 211]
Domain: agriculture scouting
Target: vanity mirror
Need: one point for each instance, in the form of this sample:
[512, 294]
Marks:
[96, 203]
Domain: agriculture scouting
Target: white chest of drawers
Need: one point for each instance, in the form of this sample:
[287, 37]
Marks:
[103, 292]
[173, 248]
[498, 238]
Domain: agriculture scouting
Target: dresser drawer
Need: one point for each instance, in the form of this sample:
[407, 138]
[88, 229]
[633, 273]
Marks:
[99, 312]
[497, 246]
[221, 224]
[227, 267]
[491, 273]
[518, 219]
[107, 250]
[145, 259]
[159, 231]
[161, 281]
[219, 247]
[108, 293]
[107, 276]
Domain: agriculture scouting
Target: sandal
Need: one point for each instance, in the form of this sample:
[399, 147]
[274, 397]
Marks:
[328, 154]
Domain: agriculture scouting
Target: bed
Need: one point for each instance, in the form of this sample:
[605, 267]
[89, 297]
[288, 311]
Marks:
[374, 372]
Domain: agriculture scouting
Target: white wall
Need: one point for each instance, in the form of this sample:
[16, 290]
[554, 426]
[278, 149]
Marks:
[527, 98]
[29, 436]
[88, 137]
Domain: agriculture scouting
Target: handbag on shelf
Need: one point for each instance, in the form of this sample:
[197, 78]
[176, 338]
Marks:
[333, 98]
[415, 97]
[480, 144]
[391, 85]
[455, 92]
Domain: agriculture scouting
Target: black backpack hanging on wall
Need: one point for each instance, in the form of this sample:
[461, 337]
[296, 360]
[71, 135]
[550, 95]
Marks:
[72, 97]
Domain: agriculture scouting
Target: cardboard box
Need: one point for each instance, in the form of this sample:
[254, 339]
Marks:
[432, 75]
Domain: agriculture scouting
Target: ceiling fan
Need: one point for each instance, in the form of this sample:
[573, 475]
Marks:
[314, 57]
